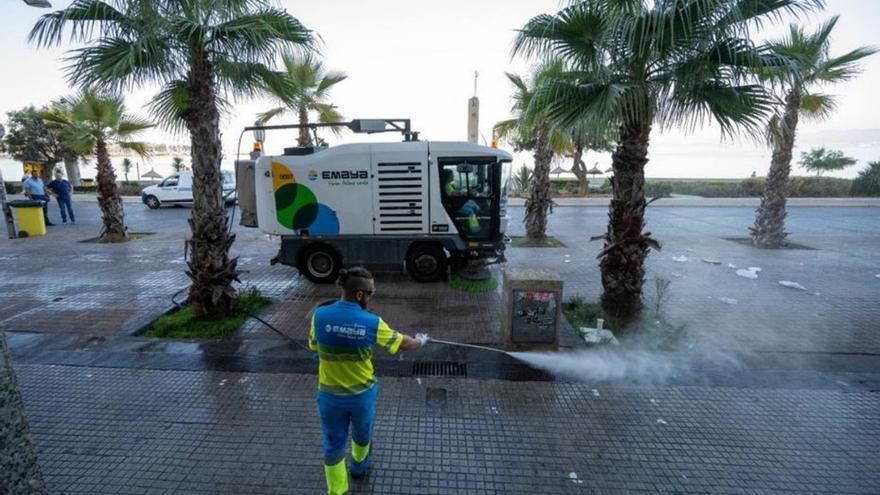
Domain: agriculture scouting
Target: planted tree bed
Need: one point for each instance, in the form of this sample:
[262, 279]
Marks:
[547, 242]
[786, 245]
[132, 236]
[184, 324]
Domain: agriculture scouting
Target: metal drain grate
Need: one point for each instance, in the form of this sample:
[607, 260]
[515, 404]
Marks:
[439, 368]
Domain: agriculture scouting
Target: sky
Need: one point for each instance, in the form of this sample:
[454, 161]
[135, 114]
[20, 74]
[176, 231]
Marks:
[416, 59]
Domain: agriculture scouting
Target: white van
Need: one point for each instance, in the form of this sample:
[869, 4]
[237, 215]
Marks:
[176, 189]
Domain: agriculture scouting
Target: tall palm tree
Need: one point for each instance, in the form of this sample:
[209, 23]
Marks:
[203, 52]
[809, 66]
[635, 64]
[92, 121]
[19, 470]
[531, 129]
[308, 91]
[126, 167]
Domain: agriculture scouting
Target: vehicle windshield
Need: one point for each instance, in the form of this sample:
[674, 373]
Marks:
[228, 178]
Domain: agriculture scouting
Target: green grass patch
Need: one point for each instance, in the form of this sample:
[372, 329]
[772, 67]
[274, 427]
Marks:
[183, 323]
[467, 285]
[653, 331]
[547, 242]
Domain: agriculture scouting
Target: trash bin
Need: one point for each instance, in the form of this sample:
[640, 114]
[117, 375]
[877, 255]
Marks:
[29, 215]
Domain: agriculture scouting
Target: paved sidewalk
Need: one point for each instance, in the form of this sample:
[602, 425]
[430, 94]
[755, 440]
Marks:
[102, 430]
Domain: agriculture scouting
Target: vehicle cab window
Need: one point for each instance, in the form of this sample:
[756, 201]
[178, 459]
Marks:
[170, 181]
[467, 187]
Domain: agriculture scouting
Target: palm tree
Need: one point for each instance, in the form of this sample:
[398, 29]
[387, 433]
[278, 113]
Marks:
[177, 163]
[809, 66]
[584, 139]
[309, 88]
[19, 470]
[633, 65]
[530, 129]
[126, 167]
[821, 160]
[203, 52]
[92, 121]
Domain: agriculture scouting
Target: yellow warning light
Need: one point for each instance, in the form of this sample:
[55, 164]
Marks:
[258, 146]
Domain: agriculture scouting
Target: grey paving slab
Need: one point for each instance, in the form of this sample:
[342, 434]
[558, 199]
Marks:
[103, 430]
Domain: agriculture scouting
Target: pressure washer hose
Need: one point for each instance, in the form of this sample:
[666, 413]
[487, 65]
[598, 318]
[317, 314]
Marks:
[459, 344]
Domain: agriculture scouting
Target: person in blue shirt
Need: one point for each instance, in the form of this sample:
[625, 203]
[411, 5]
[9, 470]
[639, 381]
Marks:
[61, 188]
[34, 189]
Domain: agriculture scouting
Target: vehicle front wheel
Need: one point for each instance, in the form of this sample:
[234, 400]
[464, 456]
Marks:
[426, 263]
[320, 263]
[152, 202]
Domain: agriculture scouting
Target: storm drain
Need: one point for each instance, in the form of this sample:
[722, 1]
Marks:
[439, 368]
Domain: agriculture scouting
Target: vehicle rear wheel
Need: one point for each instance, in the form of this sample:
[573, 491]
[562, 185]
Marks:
[320, 263]
[426, 263]
[152, 202]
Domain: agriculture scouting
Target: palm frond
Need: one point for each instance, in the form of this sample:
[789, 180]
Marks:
[270, 114]
[817, 106]
[170, 106]
[138, 147]
[83, 18]
[132, 125]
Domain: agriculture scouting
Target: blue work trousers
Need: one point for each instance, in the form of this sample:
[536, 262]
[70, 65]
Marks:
[66, 203]
[337, 412]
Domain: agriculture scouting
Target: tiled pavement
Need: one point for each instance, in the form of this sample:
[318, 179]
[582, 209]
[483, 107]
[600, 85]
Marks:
[104, 430]
[118, 430]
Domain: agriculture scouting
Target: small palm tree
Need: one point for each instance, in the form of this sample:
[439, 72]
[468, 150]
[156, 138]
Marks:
[177, 163]
[809, 65]
[531, 129]
[126, 167]
[92, 121]
[308, 91]
[821, 160]
[203, 52]
[633, 65]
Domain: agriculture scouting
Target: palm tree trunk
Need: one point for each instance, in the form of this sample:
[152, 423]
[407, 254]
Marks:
[539, 203]
[112, 213]
[210, 268]
[769, 229]
[626, 247]
[305, 138]
[579, 169]
[73, 175]
[19, 471]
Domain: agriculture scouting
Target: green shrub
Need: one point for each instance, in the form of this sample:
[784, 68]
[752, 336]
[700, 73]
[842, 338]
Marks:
[129, 189]
[11, 188]
[868, 181]
[658, 189]
[85, 189]
[818, 187]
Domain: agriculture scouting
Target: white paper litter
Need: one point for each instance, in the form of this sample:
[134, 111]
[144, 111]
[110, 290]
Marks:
[676, 275]
[689, 250]
[662, 422]
[711, 262]
[728, 300]
[594, 336]
[653, 401]
[680, 259]
[223, 382]
[877, 276]
[574, 478]
[755, 268]
[595, 392]
[731, 265]
[747, 273]
[791, 285]
[567, 261]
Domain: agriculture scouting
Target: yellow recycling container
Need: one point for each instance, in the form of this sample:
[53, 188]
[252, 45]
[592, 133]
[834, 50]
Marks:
[29, 215]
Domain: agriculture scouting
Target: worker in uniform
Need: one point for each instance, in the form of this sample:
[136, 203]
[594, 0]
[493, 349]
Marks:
[343, 334]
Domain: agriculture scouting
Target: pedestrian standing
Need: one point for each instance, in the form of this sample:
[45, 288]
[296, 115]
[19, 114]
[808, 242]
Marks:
[61, 188]
[34, 189]
[343, 334]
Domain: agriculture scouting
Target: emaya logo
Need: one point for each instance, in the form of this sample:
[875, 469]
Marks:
[345, 174]
[313, 174]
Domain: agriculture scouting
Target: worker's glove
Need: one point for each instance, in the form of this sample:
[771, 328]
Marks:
[422, 339]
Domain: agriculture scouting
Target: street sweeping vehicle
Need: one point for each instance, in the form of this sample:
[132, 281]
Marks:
[426, 206]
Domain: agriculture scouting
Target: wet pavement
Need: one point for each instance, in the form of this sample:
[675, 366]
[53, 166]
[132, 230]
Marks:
[777, 391]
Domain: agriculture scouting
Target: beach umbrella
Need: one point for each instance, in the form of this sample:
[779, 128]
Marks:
[594, 171]
[558, 170]
[151, 174]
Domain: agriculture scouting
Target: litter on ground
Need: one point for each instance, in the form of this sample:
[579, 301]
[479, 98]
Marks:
[752, 274]
[680, 259]
[791, 285]
[728, 300]
[731, 265]
[711, 262]
[595, 392]
[662, 422]
[574, 478]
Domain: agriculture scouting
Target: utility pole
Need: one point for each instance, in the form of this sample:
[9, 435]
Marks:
[474, 114]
